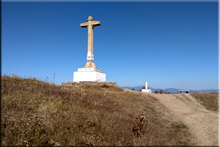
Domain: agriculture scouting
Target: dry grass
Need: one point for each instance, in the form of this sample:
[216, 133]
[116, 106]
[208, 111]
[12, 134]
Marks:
[208, 99]
[35, 113]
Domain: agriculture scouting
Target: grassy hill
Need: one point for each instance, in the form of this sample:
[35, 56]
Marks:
[208, 99]
[36, 113]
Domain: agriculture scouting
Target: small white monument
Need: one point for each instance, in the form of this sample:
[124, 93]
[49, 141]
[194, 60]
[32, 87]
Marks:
[90, 72]
[146, 90]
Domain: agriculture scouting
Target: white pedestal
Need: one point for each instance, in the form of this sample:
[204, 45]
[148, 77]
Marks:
[146, 90]
[88, 74]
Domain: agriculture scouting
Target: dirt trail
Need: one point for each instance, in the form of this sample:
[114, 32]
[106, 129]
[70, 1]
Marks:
[202, 122]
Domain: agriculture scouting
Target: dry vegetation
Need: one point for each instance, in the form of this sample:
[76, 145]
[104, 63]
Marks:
[35, 113]
[208, 99]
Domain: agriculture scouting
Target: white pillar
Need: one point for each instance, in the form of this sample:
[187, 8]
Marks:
[146, 89]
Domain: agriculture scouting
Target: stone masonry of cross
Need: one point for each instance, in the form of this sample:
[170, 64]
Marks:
[90, 24]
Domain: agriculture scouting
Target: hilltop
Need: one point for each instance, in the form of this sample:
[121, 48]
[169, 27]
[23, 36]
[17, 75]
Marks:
[38, 113]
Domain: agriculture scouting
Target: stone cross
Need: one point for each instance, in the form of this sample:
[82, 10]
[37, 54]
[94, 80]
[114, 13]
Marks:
[90, 24]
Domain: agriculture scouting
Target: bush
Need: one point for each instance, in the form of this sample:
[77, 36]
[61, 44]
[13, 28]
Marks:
[105, 86]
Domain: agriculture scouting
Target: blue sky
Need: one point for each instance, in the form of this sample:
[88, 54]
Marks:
[167, 44]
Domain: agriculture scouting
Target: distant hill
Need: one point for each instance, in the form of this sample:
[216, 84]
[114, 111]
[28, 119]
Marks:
[137, 88]
[171, 90]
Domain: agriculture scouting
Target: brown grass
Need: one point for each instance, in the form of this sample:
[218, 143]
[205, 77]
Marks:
[208, 99]
[35, 113]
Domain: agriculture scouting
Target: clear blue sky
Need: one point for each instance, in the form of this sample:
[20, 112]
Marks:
[167, 44]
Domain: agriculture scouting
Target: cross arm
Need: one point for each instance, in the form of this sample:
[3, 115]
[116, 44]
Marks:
[93, 23]
[84, 25]
[96, 23]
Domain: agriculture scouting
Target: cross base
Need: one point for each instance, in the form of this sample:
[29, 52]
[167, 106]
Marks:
[89, 74]
[90, 64]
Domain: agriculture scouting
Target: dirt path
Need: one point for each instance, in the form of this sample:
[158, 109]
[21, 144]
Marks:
[202, 123]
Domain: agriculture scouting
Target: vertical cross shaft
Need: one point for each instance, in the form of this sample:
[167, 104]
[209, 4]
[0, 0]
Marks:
[90, 24]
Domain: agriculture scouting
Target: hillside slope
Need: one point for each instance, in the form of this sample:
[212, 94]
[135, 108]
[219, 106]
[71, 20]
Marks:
[203, 124]
[39, 113]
